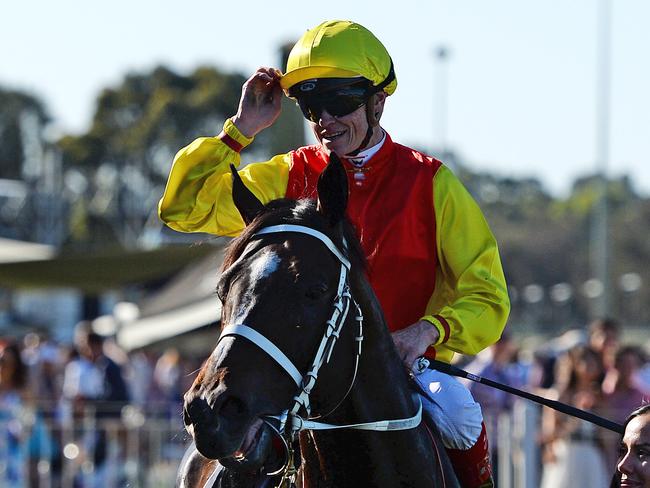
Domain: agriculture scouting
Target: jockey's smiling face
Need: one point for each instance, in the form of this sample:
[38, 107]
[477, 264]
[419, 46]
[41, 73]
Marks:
[634, 460]
[344, 134]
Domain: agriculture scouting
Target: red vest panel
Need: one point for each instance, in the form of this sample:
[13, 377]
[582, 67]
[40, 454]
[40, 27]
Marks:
[391, 207]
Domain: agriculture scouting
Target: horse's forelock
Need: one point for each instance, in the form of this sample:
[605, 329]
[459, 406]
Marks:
[297, 212]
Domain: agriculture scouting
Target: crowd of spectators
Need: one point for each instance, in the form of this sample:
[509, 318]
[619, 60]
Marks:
[591, 369]
[54, 394]
[46, 386]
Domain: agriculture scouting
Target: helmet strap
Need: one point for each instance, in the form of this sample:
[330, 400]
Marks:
[372, 118]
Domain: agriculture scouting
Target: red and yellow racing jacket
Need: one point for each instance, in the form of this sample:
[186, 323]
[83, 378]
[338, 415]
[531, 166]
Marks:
[430, 251]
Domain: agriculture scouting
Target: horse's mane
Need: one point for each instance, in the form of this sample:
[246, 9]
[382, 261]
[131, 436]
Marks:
[298, 212]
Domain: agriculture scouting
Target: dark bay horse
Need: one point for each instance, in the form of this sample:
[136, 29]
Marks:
[304, 347]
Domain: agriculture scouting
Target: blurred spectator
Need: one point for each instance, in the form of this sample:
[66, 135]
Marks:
[23, 437]
[82, 381]
[91, 377]
[572, 456]
[113, 394]
[95, 386]
[140, 377]
[43, 360]
[621, 394]
[621, 390]
[542, 375]
[604, 334]
[167, 377]
[642, 378]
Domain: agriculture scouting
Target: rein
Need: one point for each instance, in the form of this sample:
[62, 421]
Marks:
[291, 423]
[554, 404]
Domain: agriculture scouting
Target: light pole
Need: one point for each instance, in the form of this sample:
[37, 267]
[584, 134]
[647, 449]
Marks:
[600, 237]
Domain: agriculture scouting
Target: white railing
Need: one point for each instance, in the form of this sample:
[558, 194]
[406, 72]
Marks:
[517, 446]
[138, 449]
[143, 448]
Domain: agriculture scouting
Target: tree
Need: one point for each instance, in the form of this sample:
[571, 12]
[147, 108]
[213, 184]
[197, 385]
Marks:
[146, 119]
[546, 241]
[137, 128]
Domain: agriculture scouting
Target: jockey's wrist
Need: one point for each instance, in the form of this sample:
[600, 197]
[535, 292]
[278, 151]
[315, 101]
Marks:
[233, 137]
[248, 130]
[434, 334]
[441, 326]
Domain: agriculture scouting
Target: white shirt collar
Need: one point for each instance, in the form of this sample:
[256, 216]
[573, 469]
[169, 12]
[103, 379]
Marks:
[362, 158]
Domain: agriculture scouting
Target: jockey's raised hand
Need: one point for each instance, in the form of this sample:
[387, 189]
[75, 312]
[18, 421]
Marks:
[260, 102]
[413, 341]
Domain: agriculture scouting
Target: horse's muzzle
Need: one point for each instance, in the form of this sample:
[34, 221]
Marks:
[261, 453]
[220, 430]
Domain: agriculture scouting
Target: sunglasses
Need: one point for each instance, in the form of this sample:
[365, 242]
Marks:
[337, 104]
[337, 96]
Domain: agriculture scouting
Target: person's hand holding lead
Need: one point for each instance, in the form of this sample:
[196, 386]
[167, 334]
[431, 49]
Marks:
[260, 102]
[413, 341]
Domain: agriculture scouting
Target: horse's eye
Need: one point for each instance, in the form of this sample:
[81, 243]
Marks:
[316, 291]
[222, 290]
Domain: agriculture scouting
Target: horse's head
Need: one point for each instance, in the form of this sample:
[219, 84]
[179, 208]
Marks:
[282, 286]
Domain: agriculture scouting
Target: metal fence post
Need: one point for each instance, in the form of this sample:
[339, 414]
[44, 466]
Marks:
[504, 450]
[526, 429]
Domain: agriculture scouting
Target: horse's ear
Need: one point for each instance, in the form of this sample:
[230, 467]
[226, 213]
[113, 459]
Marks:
[246, 202]
[333, 191]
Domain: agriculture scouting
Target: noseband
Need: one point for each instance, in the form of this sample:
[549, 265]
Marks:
[290, 422]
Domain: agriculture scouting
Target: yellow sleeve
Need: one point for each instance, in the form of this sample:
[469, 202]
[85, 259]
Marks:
[470, 304]
[198, 197]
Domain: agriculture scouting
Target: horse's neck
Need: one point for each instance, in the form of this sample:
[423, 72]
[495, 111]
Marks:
[381, 372]
[381, 392]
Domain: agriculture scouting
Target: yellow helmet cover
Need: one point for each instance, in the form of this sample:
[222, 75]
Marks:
[339, 49]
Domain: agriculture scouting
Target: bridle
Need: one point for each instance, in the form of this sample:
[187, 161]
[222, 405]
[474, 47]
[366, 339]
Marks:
[290, 422]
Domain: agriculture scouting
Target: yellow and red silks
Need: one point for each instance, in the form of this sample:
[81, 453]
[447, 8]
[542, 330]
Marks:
[430, 251]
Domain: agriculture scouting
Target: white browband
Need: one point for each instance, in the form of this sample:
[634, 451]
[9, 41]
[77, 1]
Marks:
[301, 229]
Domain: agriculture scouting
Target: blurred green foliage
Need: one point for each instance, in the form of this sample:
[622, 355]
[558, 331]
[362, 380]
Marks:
[149, 116]
[546, 241]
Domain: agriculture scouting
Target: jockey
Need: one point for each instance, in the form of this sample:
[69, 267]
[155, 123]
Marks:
[432, 260]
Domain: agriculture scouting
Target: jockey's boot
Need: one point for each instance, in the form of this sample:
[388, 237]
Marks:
[472, 466]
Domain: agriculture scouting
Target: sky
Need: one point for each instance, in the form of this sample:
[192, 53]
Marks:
[516, 96]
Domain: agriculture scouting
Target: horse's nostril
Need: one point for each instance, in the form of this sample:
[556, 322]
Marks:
[197, 411]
